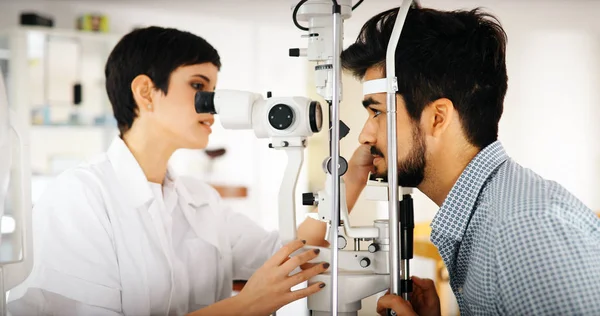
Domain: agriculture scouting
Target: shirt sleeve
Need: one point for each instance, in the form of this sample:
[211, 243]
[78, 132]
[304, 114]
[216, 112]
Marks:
[547, 265]
[75, 263]
[252, 245]
[37, 302]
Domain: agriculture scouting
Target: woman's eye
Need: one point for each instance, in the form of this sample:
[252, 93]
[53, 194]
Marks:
[197, 86]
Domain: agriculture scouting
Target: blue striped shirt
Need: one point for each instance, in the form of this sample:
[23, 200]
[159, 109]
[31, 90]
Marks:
[517, 244]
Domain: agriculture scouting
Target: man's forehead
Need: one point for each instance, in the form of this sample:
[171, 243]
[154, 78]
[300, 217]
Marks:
[374, 73]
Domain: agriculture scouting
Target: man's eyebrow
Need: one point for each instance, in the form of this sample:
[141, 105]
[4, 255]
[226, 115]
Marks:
[369, 101]
[202, 76]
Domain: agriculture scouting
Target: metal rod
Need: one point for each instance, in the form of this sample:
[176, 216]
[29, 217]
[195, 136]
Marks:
[405, 276]
[357, 244]
[392, 161]
[407, 226]
[335, 153]
[3, 309]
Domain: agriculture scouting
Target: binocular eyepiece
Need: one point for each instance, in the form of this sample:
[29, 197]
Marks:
[271, 117]
[205, 102]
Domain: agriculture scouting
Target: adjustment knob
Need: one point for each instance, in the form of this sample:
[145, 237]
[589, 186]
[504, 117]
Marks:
[281, 116]
[308, 199]
[365, 262]
[342, 243]
[373, 248]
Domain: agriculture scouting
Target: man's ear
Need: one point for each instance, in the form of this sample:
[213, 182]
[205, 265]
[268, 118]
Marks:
[142, 87]
[437, 117]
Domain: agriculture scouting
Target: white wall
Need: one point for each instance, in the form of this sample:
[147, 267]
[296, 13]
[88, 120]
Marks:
[254, 53]
[556, 134]
[251, 61]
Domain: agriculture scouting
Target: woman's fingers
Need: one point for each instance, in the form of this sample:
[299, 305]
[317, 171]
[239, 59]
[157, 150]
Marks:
[299, 260]
[306, 274]
[302, 293]
[284, 253]
[309, 265]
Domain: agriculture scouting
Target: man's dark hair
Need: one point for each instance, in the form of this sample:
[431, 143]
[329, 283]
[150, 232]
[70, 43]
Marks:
[459, 55]
[155, 52]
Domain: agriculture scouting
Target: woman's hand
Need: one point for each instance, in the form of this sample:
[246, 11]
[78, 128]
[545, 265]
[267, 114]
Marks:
[269, 288]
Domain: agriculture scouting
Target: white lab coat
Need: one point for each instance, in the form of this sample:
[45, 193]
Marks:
[107, 243]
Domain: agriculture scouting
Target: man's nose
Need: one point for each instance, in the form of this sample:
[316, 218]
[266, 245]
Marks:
[367, 134]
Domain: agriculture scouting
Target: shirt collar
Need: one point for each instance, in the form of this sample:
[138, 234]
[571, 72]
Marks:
[198, 197]
[129, 173]
[453, 217]
[133, 181]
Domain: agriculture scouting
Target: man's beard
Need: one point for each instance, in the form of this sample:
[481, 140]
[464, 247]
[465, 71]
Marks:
[411, 171]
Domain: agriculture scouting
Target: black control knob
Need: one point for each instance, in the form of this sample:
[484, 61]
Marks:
[308, 199]
[281, 116]
[365, 262]
[373, 248]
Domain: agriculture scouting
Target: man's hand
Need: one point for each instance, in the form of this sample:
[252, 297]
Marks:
[355, 179]
[360, 164]
[424, 300]
[395, 303]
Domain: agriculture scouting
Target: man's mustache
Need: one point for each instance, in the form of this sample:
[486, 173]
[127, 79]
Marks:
[376, 152]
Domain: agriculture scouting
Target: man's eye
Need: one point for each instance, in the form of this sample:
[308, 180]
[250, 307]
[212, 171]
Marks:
[375, 112]
[197, 86]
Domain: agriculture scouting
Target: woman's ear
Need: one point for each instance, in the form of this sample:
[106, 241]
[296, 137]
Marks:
[142, 87]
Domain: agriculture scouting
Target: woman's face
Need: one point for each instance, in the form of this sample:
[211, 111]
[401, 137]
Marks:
[174, 114]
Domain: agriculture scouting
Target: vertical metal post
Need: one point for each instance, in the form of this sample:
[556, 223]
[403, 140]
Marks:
[392, 161]
[392, 153]
[3, 309]
[335, 152]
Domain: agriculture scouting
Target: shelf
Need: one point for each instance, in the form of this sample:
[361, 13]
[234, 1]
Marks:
[69, 33]
[74, 126]
[229, 192]
[8, 225]
[4, 54]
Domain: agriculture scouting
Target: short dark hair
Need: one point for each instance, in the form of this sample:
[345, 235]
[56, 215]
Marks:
[459, 55]
[155, 52]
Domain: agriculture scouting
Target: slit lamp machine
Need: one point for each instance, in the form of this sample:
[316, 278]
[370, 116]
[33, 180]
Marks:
[355, 273]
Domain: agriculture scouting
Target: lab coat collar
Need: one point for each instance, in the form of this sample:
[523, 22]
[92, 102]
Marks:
[133, 180]
[196, 199]
[129, 173]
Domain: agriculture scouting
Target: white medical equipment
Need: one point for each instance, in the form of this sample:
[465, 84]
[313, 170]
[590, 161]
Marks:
[287, 121]
[354, 274]
[14, 270]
